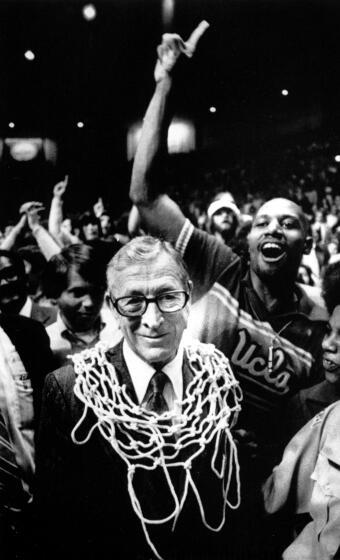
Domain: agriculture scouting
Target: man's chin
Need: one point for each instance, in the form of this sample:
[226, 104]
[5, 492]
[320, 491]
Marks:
[333, 377]
[85, 324]
[155, 355]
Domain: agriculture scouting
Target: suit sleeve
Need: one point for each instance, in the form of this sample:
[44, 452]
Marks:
[53, 464]
[42, 362]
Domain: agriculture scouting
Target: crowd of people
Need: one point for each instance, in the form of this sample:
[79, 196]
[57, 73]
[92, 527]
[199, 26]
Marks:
[168, 389]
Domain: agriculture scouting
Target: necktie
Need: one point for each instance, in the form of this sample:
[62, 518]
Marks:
[11, 490]
[155, 399]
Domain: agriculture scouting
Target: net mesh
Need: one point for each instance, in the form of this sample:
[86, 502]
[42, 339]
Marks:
[148, 441]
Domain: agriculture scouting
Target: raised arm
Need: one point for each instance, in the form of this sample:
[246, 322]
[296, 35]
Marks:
[160, 214]
[10, 240]
[56, 211]
[46, 243]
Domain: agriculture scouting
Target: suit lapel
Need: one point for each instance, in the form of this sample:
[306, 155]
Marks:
[187, 373]
[116, 358]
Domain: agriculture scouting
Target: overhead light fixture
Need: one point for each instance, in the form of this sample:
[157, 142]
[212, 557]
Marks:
[89, 12]
[24, 149]
[80, 124]
[29, 55]
[181, 137]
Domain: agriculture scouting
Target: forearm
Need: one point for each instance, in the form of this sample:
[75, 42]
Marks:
[10, 240]
[56, 216]
[47, 245]
[152, 144]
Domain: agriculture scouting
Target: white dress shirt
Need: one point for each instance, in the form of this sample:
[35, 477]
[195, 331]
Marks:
[142, 372]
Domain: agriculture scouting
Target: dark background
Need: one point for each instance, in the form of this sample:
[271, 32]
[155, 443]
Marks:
[100, 72]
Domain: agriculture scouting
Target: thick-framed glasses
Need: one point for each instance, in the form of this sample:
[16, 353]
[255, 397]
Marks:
[135, 306]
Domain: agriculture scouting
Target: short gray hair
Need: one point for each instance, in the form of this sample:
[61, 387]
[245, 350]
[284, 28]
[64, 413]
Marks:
[145, 249]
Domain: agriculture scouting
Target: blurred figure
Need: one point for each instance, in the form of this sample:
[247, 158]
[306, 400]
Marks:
[332, 247]
[308, 402]
[25, 359]
[305, 275]
[223, 215]
[89, 227]
[320, 225]
[106, 226]
[14, 298]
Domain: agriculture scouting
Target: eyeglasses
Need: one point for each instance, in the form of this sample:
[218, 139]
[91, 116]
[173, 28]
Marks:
[135, 306]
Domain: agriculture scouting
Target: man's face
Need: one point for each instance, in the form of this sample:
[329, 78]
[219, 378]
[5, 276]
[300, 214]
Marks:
[224, 220]
[277, 239]
[66, 225]
[91, 231]
[105, 224]
[80, 303]
[13, 290]
[155, 336]
[331, 348]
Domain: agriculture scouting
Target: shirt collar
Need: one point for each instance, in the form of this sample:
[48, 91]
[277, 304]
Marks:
[26, 309]
[141, 372]
[63, 329]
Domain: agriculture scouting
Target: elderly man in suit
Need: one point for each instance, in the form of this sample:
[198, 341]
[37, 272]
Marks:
[135, 453]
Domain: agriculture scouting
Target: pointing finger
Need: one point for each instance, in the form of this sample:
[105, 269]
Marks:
[195, 37]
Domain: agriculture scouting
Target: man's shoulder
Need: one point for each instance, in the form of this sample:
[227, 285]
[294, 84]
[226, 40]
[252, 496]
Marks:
[64, 377]
[18, 324]
[46, 315]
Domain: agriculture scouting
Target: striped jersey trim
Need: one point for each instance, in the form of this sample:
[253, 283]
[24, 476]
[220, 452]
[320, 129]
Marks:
[184, 237]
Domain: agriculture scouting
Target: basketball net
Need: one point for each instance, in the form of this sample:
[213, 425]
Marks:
[147, 440]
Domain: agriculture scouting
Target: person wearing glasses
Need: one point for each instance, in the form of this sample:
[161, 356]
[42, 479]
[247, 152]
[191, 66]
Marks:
[131, 457]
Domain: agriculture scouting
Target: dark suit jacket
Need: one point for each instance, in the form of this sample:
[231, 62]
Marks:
[43, 314]
[82, 496]
[309, 402]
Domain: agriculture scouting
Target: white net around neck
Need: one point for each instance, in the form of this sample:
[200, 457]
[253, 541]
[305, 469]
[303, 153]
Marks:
[147, 440]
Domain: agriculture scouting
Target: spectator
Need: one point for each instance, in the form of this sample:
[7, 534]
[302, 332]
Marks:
[305, 275]
[223, 217]
[309, 402]
[76, 279]
[305, 488]
[121, 425]
[90, 227]
[269, 326]
[14, 298]
[25, 359]
[265, 322]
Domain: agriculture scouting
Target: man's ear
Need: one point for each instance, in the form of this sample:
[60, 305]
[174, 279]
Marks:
[190, 287]
[111, 307]
[308, 245]
[108, 302]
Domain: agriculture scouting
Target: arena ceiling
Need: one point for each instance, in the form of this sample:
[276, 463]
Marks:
[99, 72]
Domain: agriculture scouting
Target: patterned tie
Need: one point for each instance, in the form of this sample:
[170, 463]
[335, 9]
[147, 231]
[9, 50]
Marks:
[11, 490]
[155, 399]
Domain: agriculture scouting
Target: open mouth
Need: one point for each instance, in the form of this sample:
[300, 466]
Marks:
[329, 365]
[272, 252]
